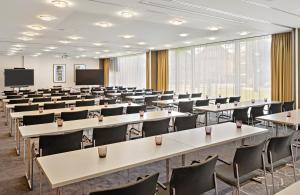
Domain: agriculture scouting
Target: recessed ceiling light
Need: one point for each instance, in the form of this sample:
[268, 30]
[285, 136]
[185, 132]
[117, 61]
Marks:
[167, 45]
[36, 54]
[106, 50]
[243, 33]
[127, 13]
[77, 57]
[151, 48]
[60, 3]
[212, 38]
[183, 34]
[52, 47]
[177, 21]
[46, 17]
[187, 42]
[10, 54]
[126, 46]
[16, 49]
[31, 34]
[25, 38]
[95, 57]
[97, 52]
[80, 49]
[127, 36]
[83, 56]
[103, 24]
[36, 27]
[19, 45]
[141, 43]
[213, 28]
[97, 44]
[64, 42]
[46, 50]
[74, 37]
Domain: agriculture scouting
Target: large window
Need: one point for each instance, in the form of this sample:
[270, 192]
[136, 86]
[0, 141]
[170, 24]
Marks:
[128, 71]
[240, 67]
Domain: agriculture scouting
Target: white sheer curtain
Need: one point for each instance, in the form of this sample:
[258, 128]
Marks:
[240, 67]
[128, 71]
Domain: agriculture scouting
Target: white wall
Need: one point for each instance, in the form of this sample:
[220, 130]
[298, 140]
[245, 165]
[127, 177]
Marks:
[43, 69]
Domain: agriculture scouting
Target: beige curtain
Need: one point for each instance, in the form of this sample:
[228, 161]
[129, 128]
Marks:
[106, 64]
[162, 70]
[281, 65]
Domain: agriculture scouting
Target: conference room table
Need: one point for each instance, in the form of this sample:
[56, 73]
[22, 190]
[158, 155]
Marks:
[70, 168]
[230, 106]
[293, 189]
[174, 101]
[282, 119]
[135, 98]
[28, 133]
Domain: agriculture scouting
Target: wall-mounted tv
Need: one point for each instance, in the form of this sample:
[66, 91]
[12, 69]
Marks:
[18, 77]
[89, 77]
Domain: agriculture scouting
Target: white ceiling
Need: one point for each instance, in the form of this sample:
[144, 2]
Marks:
[150, 25]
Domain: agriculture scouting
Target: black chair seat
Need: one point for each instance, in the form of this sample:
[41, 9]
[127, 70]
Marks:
[225, 173]
[278, 164]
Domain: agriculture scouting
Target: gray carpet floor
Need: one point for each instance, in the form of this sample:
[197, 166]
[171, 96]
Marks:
[12, 171]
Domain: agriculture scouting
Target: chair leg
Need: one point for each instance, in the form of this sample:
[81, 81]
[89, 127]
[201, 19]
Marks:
[265, 173]
[293, 159]
[272, 173]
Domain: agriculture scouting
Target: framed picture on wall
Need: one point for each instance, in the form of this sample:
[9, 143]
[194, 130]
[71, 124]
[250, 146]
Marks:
[77, 67]
[59, 73]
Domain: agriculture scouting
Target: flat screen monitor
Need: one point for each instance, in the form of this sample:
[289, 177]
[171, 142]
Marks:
[18, 77]
[89, 77]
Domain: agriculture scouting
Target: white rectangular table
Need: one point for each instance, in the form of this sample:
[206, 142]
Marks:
[76, 166]
[34, 131]
[293, 189]
[176, 100]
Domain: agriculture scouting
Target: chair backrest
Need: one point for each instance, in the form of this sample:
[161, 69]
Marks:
[144, 186]
[13, 96]
[275, 108]
[74, 97]
[90, 96]
[287, 106]
[183, 96]
[155, 127]
[139, 93]
[109, 135]
[38, 119]
[202, 102]
[185, 122]
[109, 101]
[30, 92]
[195, 95]
[46, 99]
[57, 94]
[168, 92]
[75, 93]
[10, 93]
[23, 108]
[54, 144]
[221, 100]
[112, 111]
[185, 106]
[243, 155]
[194, 179]
[257, 111]
[85, 103]
[234, 99]
[135, 109]
[18, 101]
[279, 147]
[149, 100]
[35, 95]
[69, 116]
[240, 114]
[54, 105]
[166, 97]
[156, 92]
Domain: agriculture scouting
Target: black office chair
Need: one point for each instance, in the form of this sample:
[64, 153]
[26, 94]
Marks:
[256, 111]
[109, 101]
[241, 114]
[139, 93]
[202, 103]
[75, 93]
[185, 106]
[168, 92]
[143, 186]
[69, 116]
[183, 96]
[185, 122]
[57, 94]
[18, 101]
[48, 106]
[7, 93]
[45, 99]
[38, 119]
[35, 95]
[112, 111]
[275, 108]
[149, 101]
[196, 95]
[90, 96]
[278, 150]
[221, 100]
[135, 109]
[44, 90]
[13, 97]
[155, 127]
[234, 99]
[195, 179]
[85, 103]
[109, 135]
[166, 97]
[23, 108]
[54, 144]
[288, 106]
[242, 170]
[156, 92]
[69, 97]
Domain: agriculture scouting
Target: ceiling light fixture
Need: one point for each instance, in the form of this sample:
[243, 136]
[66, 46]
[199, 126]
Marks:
[97, 52]
[177, 21]
[183, 34]
[141, 43]
[127, 13]
[212, 38]
[60, 3]
[30, 34]
[167, 45]
[36, 27]
[244, 33]
[80, 49]
[151, 48]
[106, 50]
[74, 37]
[97, 44]
[126, 36]
[46, 50]
[64, 42]
[25, 38]
[213, 28]
[46, 17]
[103, 24]
[52, 47]
[187, 42]
[126, 46]
[19, 45]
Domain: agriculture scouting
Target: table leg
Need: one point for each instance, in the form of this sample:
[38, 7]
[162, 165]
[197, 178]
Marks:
[167, 170]
[277, 130]
[29, 164]
[206, 118]
[183, 160]
[18, 141]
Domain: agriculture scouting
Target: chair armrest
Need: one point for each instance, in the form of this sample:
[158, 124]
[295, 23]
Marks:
[223, 161]
[161, 185]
